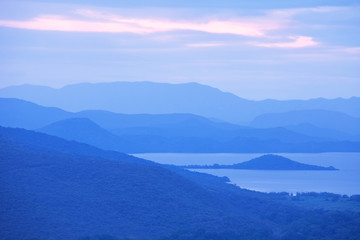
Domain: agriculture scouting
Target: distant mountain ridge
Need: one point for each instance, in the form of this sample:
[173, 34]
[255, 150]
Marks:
[320, 118]
[327, 133]
[163, 98]
[20, 113]
[143, 133]
[186, 139]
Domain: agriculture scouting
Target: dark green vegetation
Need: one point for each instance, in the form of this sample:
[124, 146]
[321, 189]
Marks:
[139, 133]
[54, 189]
[266, 162]
[329, 201]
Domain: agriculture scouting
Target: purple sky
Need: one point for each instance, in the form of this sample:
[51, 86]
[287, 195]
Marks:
[259, 50]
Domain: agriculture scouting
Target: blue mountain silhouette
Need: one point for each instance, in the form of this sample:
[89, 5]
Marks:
[319, 118]
[161, 133]
[163, 98]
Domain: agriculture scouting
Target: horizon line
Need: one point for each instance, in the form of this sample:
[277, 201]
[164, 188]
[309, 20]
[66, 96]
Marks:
[181, 83]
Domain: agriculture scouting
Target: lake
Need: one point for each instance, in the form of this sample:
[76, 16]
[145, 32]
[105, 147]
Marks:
[344, 181]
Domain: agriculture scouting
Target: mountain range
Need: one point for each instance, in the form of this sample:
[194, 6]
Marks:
[137, 133]
[331, 120]
[164, 98]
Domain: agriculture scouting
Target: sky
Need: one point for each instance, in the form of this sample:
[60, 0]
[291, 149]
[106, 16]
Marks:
[259, 49]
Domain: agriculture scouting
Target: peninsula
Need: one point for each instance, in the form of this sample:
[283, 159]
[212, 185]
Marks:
[265, 162]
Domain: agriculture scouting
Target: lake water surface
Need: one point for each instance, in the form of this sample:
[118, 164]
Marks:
[344, 181]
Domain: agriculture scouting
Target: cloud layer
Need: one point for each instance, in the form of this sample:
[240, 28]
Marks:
[99, 22]
[263, 28]
[298, 42]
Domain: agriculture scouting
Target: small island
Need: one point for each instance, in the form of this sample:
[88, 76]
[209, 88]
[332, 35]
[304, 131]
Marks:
[265, 162]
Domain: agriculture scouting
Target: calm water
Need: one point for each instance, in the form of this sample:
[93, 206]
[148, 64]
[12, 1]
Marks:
[345, 181]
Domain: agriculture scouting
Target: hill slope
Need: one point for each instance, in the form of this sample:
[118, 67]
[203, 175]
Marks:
[19, 113]
[55, 189]
[85, 131]
[69, 195]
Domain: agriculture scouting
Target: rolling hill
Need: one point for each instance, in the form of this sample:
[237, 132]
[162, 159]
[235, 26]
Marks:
[55, 189]
[85, 131]
[141, 133]
[193, 138]
[19, 113]
[14, 112]
[48, 193]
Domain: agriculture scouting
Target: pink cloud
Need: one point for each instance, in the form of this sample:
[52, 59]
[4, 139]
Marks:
[205, 45]
[290, 12]
[99, 22]
[349, 50]
[59, 23]
[298, 42]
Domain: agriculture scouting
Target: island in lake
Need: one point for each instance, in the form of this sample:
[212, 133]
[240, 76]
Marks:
[265, 162]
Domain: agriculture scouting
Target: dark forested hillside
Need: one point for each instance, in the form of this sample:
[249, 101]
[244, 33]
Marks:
[47, 193]
[54, 189]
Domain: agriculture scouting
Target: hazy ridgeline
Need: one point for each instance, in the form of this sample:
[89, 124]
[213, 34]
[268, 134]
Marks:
[291, 131]
[194, 98]
[66, 178]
